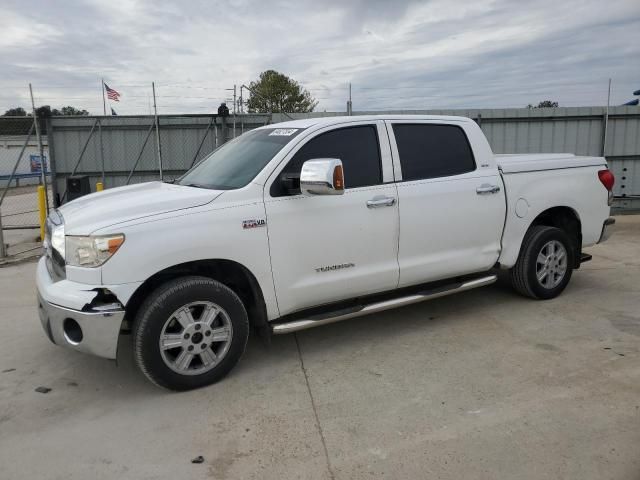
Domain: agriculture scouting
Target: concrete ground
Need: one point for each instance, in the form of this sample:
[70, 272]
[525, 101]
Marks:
[485, 385]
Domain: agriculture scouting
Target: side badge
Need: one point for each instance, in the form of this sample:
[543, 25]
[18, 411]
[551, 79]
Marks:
[330, 268]
[254, 223]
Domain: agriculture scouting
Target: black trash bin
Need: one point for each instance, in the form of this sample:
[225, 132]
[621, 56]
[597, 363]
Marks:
[77, 186]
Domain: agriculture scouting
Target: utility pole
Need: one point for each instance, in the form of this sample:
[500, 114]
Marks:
[349, 104]
[43, 176]
[155, 114]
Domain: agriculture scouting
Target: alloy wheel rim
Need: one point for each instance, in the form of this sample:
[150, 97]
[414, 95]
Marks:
[551, 264]
[195, 338]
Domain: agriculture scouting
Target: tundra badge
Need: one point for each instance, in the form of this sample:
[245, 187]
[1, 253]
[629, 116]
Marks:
[330, 268]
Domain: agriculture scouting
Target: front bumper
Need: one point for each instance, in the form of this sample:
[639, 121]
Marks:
[607, 229]
[86, 330]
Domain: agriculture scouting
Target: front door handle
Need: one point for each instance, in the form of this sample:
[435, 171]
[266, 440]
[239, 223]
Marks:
[485, 189]
[378, 202]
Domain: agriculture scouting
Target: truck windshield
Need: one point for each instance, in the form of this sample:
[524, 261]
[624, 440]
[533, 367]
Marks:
[236, 163]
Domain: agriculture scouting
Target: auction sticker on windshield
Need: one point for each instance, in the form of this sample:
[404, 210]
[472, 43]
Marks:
[283, 132]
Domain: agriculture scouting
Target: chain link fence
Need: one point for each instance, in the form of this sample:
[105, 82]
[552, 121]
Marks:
[21, 167]
[123, 150]
[112, 150]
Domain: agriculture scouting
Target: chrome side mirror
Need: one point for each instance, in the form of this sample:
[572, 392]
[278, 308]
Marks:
[322, 176]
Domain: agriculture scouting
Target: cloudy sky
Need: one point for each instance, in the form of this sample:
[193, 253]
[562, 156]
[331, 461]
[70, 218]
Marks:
[395, 53]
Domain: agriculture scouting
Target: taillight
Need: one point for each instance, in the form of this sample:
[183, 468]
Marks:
[607, 179]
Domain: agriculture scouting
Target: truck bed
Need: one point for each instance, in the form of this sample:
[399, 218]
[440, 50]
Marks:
[535, 162]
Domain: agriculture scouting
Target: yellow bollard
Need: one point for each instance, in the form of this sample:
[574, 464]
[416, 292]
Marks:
[42, 210]
[99, 187]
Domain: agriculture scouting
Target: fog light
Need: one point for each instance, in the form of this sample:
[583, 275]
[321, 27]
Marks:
[72, 331]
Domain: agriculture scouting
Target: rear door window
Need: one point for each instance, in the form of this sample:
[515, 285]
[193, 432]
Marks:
[431, 151]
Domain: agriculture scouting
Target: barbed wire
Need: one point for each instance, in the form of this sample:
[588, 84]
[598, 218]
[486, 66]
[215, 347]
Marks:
[432, 95]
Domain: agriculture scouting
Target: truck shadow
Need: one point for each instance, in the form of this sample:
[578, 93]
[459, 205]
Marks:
[282, 352]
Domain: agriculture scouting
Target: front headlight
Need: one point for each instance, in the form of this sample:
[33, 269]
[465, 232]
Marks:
[92, 251]
[57, 239]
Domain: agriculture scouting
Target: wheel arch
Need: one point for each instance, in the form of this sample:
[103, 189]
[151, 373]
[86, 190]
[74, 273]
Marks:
[563, 217]
[228, 272]
[566, 219]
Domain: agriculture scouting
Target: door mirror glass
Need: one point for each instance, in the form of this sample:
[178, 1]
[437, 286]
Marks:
[322, 176]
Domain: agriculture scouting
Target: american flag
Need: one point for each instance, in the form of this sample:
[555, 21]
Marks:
[112, 94]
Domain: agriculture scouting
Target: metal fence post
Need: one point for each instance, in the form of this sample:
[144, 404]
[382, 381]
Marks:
[101, 149]
[155, 114]
[204, 137]
[605, 121]
[84, 148]
[144, 144]
[3, 248]
[43, 163]
[52, 165]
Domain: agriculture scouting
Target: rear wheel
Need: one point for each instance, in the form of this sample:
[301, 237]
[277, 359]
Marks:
[545, 263]
[189, 333]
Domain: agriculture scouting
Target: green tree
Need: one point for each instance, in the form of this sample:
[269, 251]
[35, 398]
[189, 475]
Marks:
[274, 92]
[15, 112]
[545, 104]
[69, 110]
[46, 111]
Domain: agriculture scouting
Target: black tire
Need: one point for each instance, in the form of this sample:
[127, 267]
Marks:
[158, 308]
[523, 274]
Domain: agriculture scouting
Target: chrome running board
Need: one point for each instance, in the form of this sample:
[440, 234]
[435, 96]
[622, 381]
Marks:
[316, 321]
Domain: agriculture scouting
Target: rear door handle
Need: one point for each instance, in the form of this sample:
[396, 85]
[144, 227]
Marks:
[485, 189]
[378, 202]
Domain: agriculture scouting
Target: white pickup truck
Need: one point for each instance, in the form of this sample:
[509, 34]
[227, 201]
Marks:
[308, 222]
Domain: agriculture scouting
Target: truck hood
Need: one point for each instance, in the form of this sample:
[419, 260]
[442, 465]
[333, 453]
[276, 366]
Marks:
[116, 205]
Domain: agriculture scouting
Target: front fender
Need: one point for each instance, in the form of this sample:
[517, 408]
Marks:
[196, 234]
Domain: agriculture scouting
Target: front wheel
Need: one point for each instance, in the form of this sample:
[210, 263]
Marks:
[545, 263]
[189, 333]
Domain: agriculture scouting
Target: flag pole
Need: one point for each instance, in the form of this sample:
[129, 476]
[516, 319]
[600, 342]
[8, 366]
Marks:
[104, 102]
